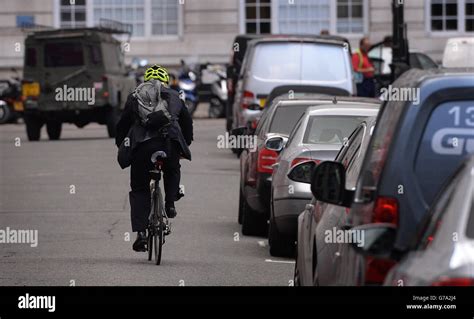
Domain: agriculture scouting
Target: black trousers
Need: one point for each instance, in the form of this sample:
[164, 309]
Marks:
[366, 88]
[140, 179]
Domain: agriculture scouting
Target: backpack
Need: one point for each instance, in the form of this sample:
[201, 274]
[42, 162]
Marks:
[152, 108]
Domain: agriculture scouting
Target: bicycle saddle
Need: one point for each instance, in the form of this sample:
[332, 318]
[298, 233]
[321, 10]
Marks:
[158, 155]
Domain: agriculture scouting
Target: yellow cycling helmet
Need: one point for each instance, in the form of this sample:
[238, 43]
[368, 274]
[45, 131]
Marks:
[158, 73]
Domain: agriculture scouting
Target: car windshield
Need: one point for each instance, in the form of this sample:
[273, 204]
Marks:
[285, 118]
[308, 62]
[60, 54]
[330, 129]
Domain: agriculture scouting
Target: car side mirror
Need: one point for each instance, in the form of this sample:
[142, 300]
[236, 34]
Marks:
[276, 143]
[375, 240]
[329, 184]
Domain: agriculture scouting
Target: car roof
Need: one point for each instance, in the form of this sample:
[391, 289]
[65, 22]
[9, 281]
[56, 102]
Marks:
[330, 109]
[300, 38]
[323, 98]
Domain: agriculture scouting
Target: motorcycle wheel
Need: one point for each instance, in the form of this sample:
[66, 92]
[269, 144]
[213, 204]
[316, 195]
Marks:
[216, 108]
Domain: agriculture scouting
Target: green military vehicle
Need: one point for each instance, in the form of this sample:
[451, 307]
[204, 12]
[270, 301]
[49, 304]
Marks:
[74, 76]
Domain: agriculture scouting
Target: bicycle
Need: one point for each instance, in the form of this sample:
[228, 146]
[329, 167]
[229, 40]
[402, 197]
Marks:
[158, 222]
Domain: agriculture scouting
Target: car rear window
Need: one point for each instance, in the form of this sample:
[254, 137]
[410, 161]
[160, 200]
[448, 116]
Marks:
[330, 129]
[285, 118]
[447, 139]
[61, 54]
[291, 61]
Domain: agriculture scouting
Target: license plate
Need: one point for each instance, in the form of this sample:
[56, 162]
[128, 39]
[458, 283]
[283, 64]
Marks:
[31, 89]
[262, 103]
[18, 106]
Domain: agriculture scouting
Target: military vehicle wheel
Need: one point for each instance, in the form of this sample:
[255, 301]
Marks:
[111, 122]
[33, 127]
[54, 129]
[5, 113]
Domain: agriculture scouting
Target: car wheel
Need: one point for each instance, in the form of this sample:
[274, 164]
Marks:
[54, 129]
[33, 127]
[5, 113]
[280, 246]
[111, 122]
[296, 276]
[253, 223]
[241, 206]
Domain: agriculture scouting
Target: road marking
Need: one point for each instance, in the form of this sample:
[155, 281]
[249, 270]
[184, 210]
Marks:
[262, 243]
[279, 261]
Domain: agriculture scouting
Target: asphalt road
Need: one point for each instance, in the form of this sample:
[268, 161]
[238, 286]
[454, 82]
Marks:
[75, 195]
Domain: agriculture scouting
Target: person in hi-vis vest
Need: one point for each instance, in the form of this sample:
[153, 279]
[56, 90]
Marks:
[364, 69]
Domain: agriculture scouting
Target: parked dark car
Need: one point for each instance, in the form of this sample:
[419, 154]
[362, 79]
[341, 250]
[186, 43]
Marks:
[239, 48]
[414, 150]
[446, 239]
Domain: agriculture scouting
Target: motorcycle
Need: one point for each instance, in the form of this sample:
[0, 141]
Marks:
[218, 100]
[11, 104]
[186, 83]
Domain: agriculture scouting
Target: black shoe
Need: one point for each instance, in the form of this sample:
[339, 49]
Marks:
[170, 211]
[141, 242]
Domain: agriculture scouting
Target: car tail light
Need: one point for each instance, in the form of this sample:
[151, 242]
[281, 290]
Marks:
[247, 99]
[265, 161]
[254, 124]
[377, 269]
[386, 210]
[298, 160]
[106, 94]
[446, 281]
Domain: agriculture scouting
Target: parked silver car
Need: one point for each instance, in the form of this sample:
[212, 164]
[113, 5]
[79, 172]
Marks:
[318, 136]
[290, 60]
[313, 224]
[443, 255]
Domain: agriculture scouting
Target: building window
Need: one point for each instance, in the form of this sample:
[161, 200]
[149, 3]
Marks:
[444, 15]
[469, 10]
[303, 17]
[164, 17]
[25, 21]
[350, 16]
[258, 16]
[72, 13]
[130, 12]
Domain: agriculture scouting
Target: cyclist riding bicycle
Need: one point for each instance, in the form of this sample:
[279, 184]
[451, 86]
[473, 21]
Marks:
[154, 118]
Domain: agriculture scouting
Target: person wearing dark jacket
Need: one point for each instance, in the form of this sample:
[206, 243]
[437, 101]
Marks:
[137, 142]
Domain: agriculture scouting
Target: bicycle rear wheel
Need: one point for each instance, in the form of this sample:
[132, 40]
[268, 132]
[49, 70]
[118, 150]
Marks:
[150, 245]
[159, 234]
